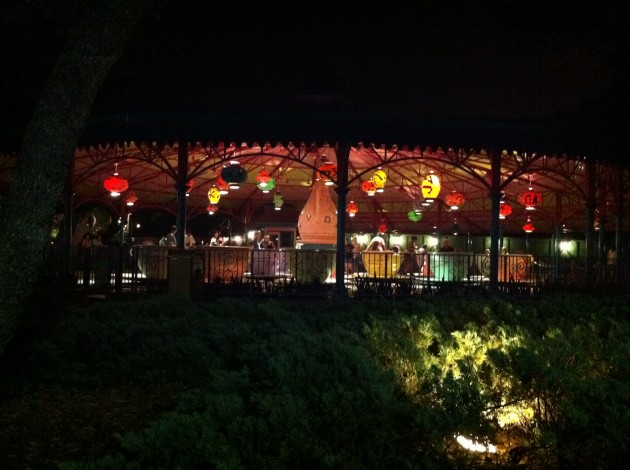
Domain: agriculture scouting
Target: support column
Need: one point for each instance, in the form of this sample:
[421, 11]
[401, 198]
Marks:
[495, 238]
[343, 155]
[182, 188]
[590, 220]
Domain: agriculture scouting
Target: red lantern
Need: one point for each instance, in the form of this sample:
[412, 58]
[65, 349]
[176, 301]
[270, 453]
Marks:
[369, 187]
[530, 199]
[222, 185]
[504, 210]
[352, 209]
[212, 208]
[454, 200]
[529, 227]
[263, 176]
[327, 173]
[131, 198]
[382, 228]
[116, 185]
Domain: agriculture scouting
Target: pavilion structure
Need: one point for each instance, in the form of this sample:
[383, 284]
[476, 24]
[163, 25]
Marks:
[389, 185]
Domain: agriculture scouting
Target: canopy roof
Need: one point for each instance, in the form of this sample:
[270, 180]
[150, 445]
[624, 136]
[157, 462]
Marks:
[151, 169]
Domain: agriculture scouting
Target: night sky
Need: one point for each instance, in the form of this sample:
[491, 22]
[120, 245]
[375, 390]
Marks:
[557, 62]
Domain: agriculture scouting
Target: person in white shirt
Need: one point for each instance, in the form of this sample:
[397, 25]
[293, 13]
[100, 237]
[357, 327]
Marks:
[189, 240]
[217, 239]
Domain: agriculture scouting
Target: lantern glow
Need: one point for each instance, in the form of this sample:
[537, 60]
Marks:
[430, 187]
[454, 200]
[352, 209]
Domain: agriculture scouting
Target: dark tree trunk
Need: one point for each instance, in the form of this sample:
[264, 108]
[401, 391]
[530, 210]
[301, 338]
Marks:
[48, 147]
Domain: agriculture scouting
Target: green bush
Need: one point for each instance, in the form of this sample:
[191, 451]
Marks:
[346, 384]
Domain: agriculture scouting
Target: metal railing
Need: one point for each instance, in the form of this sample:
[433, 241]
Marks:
[212, 271]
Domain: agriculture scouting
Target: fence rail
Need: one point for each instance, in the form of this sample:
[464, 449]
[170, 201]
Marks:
[213, 271]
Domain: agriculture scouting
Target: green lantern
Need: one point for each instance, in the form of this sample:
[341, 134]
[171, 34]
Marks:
[415, 216]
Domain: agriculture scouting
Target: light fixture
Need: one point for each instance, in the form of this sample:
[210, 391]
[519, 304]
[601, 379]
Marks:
[529, 227]
[278, 201]
[530, 198]
[369, 187]
[116, 185]
[379, 178]
[214, 195]
[222, 186]
[212, 208]
[352, 209]
[504, 210]
[430, 187]
[233, 175]
[415, 216]
[131, 198]
[328, 172]
[454, 200]
[268, 186]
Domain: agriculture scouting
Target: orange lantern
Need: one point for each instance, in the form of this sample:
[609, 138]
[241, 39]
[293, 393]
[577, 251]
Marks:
[352, 209]
[431, 187]
[116, 185]
[454, 200]
[369, 187]
[504, 210]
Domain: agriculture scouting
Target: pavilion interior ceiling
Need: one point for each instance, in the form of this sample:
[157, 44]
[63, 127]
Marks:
[152, 173]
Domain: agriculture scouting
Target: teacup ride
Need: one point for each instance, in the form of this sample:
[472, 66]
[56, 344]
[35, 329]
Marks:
[381, 264]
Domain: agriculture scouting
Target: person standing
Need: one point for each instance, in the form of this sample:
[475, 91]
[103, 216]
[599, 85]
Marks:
[171, 238]
[189, 240]
[257, 240]
[446, 246]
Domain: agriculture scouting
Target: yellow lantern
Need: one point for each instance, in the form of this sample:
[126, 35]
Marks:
[214, 195]
[379, 178]
[431, 187]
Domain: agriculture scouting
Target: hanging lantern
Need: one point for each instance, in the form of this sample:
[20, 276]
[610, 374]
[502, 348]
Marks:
[382, 228]
[116, 185]
[327, 173]
[529, 227]
[431, 187]
[278, 201]
[504, 210]
[414, 216]
[222, 186]
[530, 199]
[352, 209]
[234, 175]
[263, 176]
[369, 187]
[212, 208]
[131, 198]
[189, 187]
[379, 178]
[268, 186]
[454, 200]
[214, 195]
